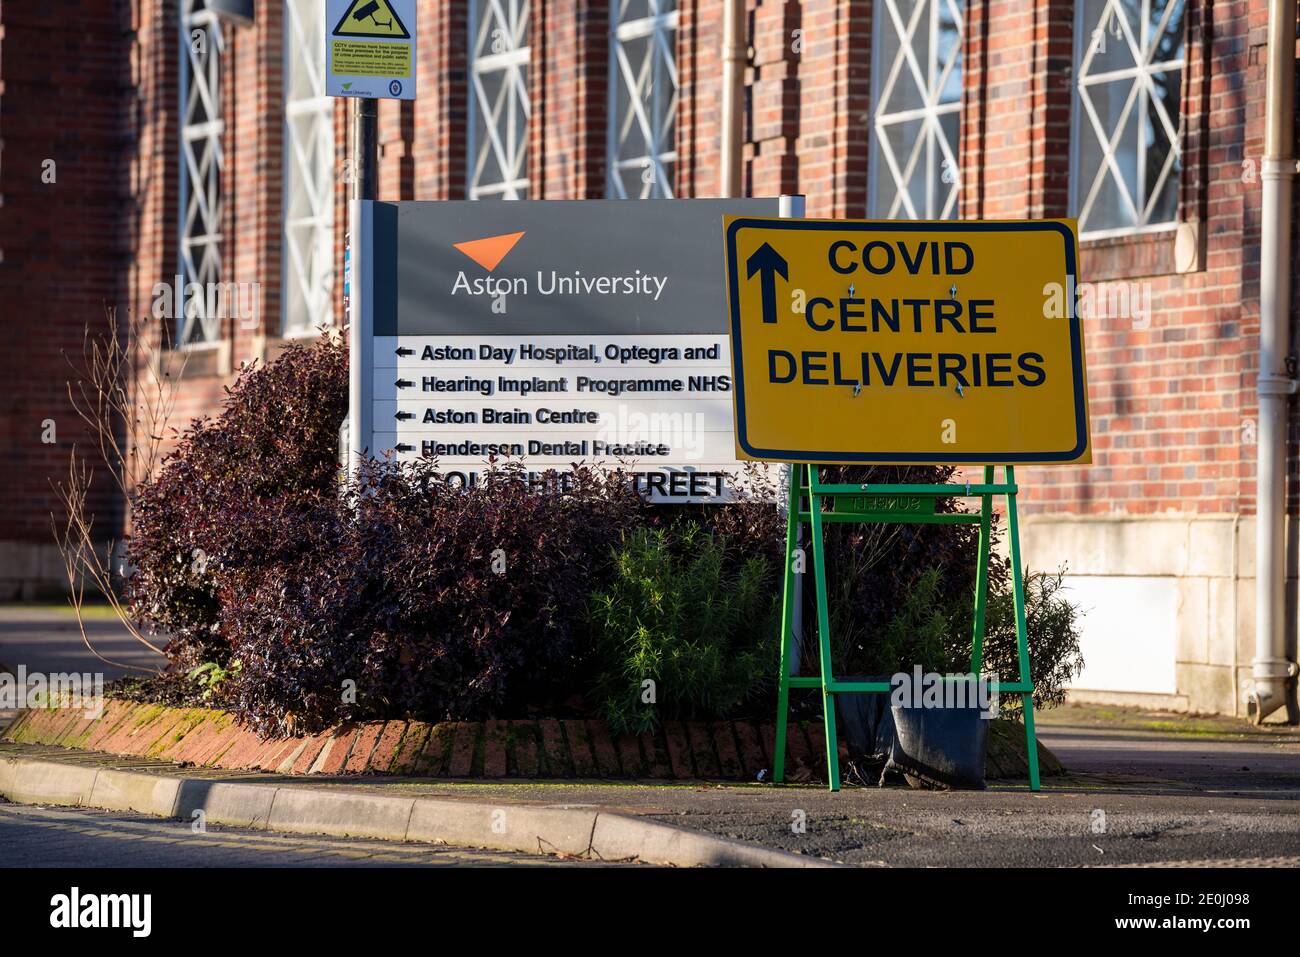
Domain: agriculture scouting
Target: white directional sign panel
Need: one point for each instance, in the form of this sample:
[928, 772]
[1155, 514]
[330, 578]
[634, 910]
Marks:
[550, 333]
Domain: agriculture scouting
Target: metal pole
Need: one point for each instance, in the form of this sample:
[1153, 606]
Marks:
[733, 93]
[365, 149]
[1272, 671]
[792, 207]
[363, 165]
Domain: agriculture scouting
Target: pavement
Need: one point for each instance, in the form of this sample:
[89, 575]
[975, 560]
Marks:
[1137, 793]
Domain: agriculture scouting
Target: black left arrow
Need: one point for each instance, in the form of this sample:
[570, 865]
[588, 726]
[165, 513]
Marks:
[767, 262]
[403, 447]
[403, 383]
[403, 351]
[404, 415]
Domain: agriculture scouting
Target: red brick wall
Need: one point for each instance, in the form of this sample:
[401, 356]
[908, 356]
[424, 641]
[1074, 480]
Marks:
[834, 104]
[568, 89]
[1171, 402]
[62, 251]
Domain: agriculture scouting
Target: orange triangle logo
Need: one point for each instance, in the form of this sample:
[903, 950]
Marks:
[489, 252]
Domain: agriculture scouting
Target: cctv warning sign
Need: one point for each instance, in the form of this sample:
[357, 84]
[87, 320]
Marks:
[906, 342]
[371, 18]
[370, 48]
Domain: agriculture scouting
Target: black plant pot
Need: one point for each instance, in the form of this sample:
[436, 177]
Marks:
[930, 747]
[867, 725]
[940, 747]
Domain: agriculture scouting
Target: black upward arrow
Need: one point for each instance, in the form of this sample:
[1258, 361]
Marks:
[767, 262]
[403, 383]
[404, 415]
[403, 351]
[403, 447]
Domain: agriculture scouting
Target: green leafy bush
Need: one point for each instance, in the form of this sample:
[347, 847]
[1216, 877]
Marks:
[683, 613]
[933, 628]
[1052, 625]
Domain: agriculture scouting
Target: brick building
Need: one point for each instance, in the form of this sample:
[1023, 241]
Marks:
[193, 139]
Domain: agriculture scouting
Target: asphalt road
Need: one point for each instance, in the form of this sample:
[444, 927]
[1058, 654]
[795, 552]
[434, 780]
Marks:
[48, 640]
[69, 837]
[1259, 765]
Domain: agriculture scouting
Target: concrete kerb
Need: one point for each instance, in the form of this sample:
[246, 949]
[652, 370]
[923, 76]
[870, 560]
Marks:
[224, 802]
[318, 811]
[32, 781]
[573, 831]
[117, 790]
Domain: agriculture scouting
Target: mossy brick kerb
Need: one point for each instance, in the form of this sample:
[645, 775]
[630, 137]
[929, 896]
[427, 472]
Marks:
[686, 750]
[452, 749]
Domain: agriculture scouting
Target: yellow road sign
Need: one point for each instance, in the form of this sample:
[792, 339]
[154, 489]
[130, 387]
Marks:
[906, 342]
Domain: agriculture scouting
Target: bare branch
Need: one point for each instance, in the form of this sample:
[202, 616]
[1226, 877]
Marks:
[125, 400]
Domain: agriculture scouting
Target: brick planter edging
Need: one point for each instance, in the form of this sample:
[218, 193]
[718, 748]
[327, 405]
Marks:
[533, 748]
[542, 748]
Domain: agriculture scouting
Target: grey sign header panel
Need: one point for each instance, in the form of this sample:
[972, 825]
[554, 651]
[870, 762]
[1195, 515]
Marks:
[587, 267]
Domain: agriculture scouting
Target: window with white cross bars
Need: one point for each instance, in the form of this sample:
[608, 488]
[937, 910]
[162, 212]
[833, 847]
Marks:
[642, 151]
[916, 86]
[1126, 152]
[307, 255]
[498, 99]
[201, 164]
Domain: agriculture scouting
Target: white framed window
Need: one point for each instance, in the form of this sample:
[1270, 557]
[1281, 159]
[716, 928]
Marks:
[1126, 149]
[916, 87]
[201, 165]
[307, 268]
[499, 55]
[642, 150]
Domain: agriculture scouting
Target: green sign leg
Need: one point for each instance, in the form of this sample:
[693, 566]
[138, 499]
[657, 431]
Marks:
[1022, 632]
[982, 576]
[1031, 740]
[805, 482]
[824, 632]
[792, 581]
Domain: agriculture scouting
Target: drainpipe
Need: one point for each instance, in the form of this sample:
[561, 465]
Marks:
[1271, 670]
[733, 95]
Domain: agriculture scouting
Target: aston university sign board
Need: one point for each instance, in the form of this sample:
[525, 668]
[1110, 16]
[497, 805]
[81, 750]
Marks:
[550, 333]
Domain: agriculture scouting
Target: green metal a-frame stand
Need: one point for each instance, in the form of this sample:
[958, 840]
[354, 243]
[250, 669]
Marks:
[891, 503]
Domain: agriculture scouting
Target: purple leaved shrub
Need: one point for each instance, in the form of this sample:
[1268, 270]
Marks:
[428, 599]
[223, 498]
[411, 597]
